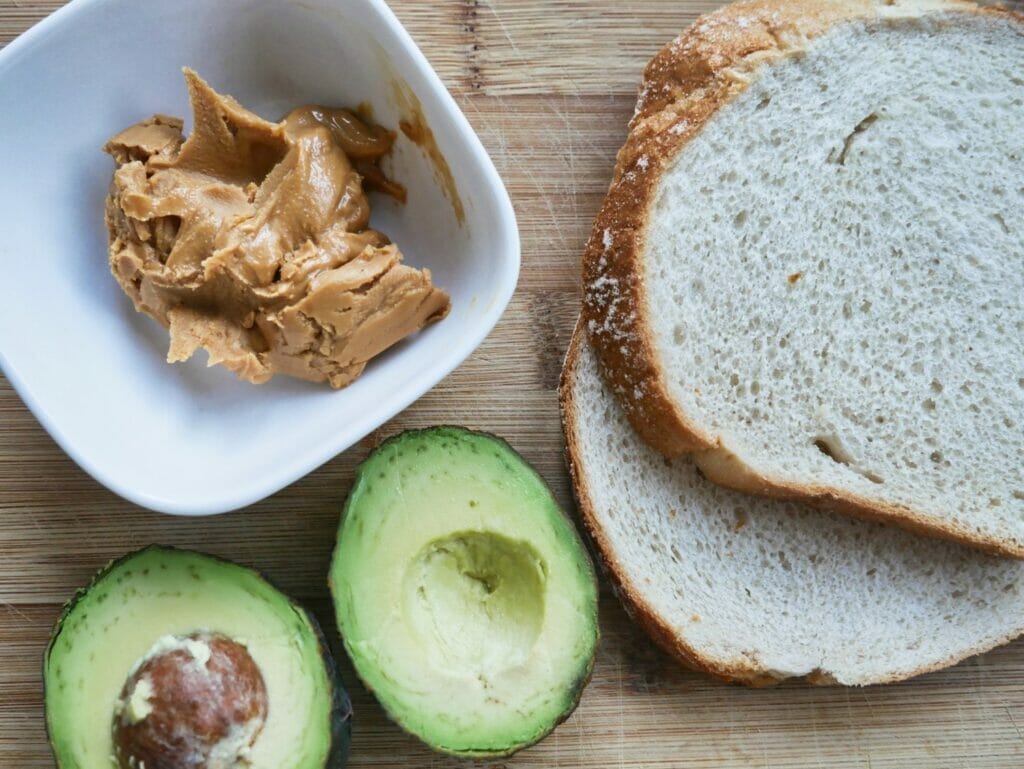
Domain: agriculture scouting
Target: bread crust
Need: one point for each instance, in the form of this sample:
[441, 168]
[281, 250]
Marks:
[683, 86]
[745, 669]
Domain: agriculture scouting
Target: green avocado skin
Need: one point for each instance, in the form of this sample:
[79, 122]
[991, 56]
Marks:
[418, 442]
[341, 706]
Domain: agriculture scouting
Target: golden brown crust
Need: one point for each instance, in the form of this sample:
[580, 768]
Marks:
[632, 596]
[745, 669]
[724, 468]
[683, 86]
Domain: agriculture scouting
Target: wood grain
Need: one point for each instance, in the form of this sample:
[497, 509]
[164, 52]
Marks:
[549, 87]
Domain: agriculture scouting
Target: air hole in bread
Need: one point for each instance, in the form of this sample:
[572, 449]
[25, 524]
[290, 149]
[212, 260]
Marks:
[742, 518]
[860, 128]
[831, 447]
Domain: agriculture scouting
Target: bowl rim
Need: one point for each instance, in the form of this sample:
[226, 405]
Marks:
[507, 255]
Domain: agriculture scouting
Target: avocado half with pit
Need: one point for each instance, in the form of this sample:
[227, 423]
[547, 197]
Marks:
[173, 659]
[464, 595]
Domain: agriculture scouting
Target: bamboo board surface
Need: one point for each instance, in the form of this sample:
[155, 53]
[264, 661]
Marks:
[549, 86]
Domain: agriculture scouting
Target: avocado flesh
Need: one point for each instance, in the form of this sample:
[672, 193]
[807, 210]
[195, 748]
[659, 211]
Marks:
[463, 594]
[161, 592]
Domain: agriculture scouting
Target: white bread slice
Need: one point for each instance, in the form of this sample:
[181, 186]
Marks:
[756, 590]
[809, 267]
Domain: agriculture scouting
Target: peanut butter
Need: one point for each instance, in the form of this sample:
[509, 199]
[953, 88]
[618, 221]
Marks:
[250, 240]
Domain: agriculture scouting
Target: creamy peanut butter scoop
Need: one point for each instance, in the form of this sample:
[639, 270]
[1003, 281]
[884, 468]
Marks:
[250, 240]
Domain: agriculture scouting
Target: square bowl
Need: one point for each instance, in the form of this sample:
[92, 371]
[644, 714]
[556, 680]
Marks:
[188, 439]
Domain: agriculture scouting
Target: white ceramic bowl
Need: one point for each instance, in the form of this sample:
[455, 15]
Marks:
[184, 438]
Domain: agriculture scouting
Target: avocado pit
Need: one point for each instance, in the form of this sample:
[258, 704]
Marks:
[191, 702]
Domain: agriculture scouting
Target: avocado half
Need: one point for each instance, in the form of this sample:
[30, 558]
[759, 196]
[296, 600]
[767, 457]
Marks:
[463, 593]
[158, 592]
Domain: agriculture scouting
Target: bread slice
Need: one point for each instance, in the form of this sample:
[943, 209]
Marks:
[757, 590]
[809, 268]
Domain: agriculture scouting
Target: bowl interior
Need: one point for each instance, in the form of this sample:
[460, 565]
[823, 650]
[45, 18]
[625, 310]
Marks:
[186, 438]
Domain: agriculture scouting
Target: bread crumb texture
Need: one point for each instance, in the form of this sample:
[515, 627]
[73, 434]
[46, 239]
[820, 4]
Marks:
[822, 268]
[760, 590]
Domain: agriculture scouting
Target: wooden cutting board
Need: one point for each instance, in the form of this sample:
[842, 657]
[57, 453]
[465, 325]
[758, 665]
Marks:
[549, 86]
